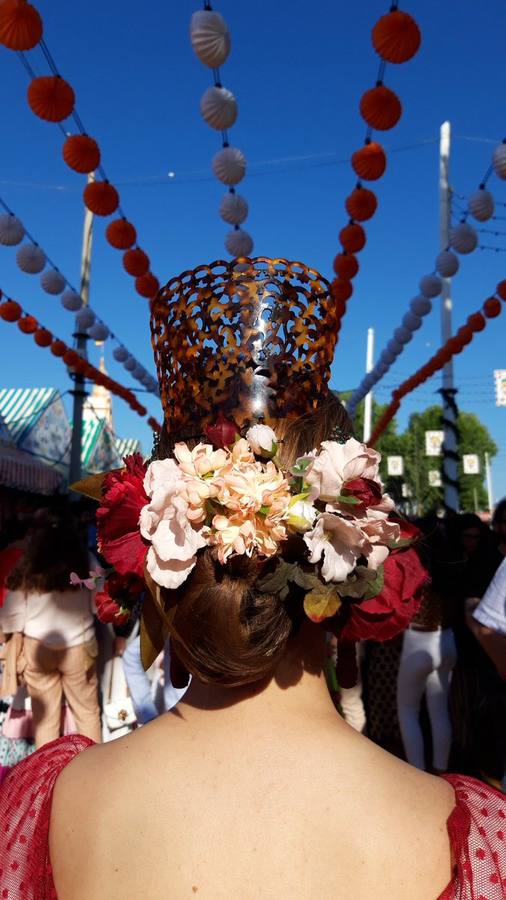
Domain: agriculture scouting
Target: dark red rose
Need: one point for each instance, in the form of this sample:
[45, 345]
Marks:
[128, 586]
[108, 610]
[390, 612]
[123, 497]
[366, 491]
[223, 434]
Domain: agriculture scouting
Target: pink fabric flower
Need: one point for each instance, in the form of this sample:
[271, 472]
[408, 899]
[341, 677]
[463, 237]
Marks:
[380, 533]
[174, 545]
[339, 541]
[337, 464]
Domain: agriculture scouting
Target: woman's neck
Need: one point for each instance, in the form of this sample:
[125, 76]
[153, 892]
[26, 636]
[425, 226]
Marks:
[298, 685]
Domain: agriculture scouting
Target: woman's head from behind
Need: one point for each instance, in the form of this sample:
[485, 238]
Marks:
[54, 550]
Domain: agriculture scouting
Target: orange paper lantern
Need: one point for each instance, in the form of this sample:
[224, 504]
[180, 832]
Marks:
[81, 153]
[369, 162]
[70, 357]
[465, 334]
[58, 348]
[136, 262]
[361, 204]
[121, 234]
[20, 25]
[28, 324]
[345, 266]
[10, 311]
[380, 108]
[492, 307]
[352, 237]
[51, 98]
[476, 322]
[43, 337]
[341, 290]
[396, 37]
[101, 198]
[501, 290]
[147, 285]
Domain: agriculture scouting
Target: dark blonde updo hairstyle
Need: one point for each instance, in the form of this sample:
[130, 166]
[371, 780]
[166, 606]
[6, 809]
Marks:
[226, 630]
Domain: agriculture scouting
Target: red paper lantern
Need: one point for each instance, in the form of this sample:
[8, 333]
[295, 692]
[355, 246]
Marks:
[81, 153]
[121, 234]
[101, 198]
[20, 25]
[58, 348]
[465, 334]
[136, 262]
[501, 290]
[341, 290]
[70, 358]
[369, 162]
[147, 285]
[10, 311]
[352, 237]
[476, 321]
[43, 337]
[492, 307]
[380, 108]
[51, 98]
[361, 204]
[345, 266]
[28, 324]
[396, 37]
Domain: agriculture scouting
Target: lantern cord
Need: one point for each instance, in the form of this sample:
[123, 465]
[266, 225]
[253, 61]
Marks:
[53, 265]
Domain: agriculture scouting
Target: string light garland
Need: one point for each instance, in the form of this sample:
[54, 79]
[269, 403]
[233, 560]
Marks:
[476, 322]
[52, 99]
[12, 312]
[32, 259]
[396, 38]
[211, 43]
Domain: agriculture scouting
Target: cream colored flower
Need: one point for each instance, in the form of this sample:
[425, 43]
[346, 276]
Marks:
[338, 463]
[262, 441]
[339, 542]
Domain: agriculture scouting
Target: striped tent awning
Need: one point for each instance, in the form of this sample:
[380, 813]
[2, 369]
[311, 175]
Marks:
[21, 407]
[127, 446]
[23, 472]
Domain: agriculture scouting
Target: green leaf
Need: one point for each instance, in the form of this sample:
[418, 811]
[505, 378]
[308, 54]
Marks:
[347, 500]
[375, 587]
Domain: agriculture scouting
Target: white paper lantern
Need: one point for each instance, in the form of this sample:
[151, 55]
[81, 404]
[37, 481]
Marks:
[463, 238]
[210, 38]
[382, 370]
[99, 331]
[411, 321]
[447, 263]
[31, 259]
[52, 282]
[71, 300]
[430, 285]
[85, 318]
[137, 372]
[395, 347]
[499, 161]
[388, 357]
[420, 306]
[229, 165]
[130, 363]
[481, 205]
[120, 354]
[402, 335]
[234, 209]
[12, 230]
[218, 108]
[239, 242]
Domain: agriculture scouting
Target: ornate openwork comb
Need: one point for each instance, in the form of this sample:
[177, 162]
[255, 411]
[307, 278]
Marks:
[252, 338]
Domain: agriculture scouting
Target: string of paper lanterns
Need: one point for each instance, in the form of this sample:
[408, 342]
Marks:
[463, 240]
[492, 307]
[11, 311]
[32, 259]
[396, 39]
[210, 40]
[52, 99]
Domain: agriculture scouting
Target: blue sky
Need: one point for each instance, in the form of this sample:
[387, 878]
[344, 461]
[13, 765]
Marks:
[297, 71]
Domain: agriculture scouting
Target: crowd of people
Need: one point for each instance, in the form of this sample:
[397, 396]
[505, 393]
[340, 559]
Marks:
[435, 695]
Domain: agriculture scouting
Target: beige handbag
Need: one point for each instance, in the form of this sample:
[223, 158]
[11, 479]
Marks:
[118, 712]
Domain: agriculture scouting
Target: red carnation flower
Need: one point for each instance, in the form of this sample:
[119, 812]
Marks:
[108, 610]
[390, 612]
[365, 490]
[223, 434]
[123, 497]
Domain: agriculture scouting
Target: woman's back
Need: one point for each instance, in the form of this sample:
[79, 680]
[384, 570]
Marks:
[269, 798]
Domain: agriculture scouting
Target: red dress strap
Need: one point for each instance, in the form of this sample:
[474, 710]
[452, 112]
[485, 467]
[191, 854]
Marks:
[25, 812]
[477, 830]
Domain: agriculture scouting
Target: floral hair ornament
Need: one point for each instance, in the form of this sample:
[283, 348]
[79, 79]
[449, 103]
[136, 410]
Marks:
[360, 574]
